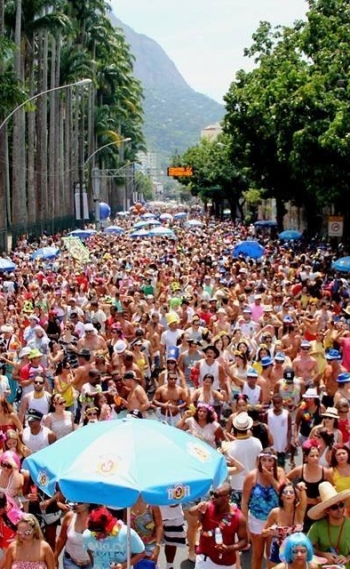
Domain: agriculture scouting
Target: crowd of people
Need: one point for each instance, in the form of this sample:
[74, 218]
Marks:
[250, 355]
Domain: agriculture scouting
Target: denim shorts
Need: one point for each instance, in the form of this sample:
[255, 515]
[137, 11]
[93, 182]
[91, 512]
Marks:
[68, 563]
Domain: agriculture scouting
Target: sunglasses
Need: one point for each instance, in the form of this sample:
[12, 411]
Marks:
[338, 506]
[39, 382]
[6, 465]
[288, 492]
[217, 495]
[60, 402]
[26, 532]
[92, 414]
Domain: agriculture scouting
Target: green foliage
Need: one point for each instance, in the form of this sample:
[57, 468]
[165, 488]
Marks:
[289, 117]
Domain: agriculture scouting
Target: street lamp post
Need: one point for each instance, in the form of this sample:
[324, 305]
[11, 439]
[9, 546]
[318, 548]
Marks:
[96, 178]
[76, 83]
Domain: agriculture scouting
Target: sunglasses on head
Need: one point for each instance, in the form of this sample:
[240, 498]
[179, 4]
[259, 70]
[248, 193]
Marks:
[338, 506]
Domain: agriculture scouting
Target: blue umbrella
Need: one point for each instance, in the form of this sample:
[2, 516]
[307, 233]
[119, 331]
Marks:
[342, 265]
[45, 253]
[265, 223]
[194, 223]
[82, 233]
[114, 462]
[140, 233]
[145, 223]
[148, 215]
[251, 249]
[114, 229]
[290, 235]
[180, 215]
[166, 217]
[162, 232]
[7, 265]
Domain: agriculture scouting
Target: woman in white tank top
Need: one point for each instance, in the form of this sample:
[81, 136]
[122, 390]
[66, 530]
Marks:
[71, 538]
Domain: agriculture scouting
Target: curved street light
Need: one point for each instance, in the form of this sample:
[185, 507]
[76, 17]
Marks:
[95, 179]
[116, 142]
[76, 83]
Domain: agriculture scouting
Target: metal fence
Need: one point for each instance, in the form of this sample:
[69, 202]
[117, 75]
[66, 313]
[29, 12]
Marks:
[10, 236]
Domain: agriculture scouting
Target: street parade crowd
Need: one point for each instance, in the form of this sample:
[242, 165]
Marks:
[250, 355]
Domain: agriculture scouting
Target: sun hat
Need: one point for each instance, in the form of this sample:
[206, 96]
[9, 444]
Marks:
[211, 347]
[251, 372]
[7, 328]
[311, 393]
[242, 422]
[24, 352]
[333, 355]
[12, 458]
[120, 346]
[331, 412]
[247, 310]
[34, 415]
[328, 497]
[266, 361]
[343, 377]
[35, 353]
[33, 317]
[267, 308]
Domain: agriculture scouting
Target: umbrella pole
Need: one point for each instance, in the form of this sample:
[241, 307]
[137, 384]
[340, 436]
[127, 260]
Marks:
[128, 537]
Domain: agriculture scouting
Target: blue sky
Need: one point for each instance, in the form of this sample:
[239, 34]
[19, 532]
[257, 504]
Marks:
[206, 38]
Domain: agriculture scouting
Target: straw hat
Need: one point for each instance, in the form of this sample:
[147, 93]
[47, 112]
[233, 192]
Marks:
[331, 412]
[328, 497]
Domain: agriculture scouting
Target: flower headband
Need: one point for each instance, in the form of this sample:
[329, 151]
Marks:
[206, 406]
[310, 443]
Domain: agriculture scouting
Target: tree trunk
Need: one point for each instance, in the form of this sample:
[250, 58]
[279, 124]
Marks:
[19, 198]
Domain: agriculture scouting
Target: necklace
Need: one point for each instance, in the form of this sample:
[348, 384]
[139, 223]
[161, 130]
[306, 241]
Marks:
[336, 546]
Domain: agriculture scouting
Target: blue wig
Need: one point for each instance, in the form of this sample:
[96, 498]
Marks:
[295, 540]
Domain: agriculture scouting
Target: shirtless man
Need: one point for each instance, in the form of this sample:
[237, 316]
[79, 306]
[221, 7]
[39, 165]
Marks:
[328, 383]
[278, 368]
[81, 373]
[127, 363]
[92, 340]
[137, 398]
[292, 339]
[171, 399]
[305, 366]
[126, 326]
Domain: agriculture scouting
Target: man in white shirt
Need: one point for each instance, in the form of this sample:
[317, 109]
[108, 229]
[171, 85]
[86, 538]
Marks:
[245, 448]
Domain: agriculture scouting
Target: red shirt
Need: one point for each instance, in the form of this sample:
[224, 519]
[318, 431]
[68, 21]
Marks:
[228, 523]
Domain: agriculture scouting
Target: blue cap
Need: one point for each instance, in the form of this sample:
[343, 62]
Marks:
[344, 377]
[266, 361]
[305, 344]
[288, 320]
[251, 372]
[333, 355]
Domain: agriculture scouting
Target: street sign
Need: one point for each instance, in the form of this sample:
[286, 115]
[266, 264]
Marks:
[335, 225]
[176, 171]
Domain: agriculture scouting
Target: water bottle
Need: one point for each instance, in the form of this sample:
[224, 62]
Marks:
[218, 536]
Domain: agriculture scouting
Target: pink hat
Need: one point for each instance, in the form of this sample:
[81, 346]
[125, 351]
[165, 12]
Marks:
[10, 457]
